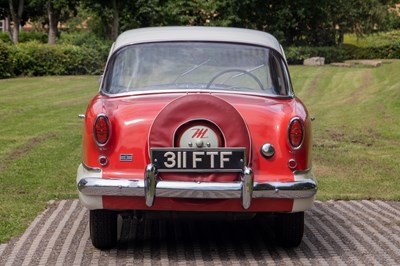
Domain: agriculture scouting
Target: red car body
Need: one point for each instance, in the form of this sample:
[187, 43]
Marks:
[174, 149]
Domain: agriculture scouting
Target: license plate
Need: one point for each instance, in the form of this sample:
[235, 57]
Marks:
[198, 160]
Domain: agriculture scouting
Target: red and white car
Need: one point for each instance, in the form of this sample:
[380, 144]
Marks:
[197, 119]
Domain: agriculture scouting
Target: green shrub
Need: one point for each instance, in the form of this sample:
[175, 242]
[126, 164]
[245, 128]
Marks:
[25, 36]
[296, 55]
[389, 51]
[4, 37]
[88, 40]
[28, 36]
[5, 66]
[36, 59]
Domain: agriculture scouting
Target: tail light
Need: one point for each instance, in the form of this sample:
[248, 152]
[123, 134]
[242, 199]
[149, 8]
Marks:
[102, 130]
[296, 132]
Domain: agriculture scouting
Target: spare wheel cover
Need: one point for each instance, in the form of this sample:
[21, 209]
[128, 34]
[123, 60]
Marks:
[200, 107]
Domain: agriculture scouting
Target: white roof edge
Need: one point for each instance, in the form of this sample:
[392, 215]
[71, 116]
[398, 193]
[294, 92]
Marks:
[215, 34]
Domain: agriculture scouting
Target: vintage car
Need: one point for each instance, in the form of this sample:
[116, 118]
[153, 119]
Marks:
[196, 119]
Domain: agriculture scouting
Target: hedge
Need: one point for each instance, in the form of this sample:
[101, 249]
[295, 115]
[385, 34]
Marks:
[25, 36]
[5, 62]
[296, 55]
[390, 51]
[37, 59]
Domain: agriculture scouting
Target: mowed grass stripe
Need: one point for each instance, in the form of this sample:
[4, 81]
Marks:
[356, 131]
[40, 145]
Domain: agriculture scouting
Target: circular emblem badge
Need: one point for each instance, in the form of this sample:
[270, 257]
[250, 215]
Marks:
[199, 136]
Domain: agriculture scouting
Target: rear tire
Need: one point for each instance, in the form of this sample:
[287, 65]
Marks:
[103, 228]
[289, 229]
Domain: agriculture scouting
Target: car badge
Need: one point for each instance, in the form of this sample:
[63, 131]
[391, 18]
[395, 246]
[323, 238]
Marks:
[126, 157]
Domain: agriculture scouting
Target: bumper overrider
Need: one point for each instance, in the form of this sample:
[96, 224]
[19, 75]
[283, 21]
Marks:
[304, 187]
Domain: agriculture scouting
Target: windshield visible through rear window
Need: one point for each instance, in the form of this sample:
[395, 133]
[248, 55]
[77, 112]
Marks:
[197, 66]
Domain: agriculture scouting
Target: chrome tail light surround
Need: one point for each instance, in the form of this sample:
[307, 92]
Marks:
[104, 128]
[293, 133]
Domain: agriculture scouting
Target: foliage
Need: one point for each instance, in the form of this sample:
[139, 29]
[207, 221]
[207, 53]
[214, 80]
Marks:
[376, 39]
[87, 39]
[296, 55]
[5, 37]
[385, 45]
[129, 14]
[26, 36]
[299, 22]
[198, 13]
[390, 51]
[303, 22]
[5, 65]
[395, 21]
[35, 59]
[360, 16]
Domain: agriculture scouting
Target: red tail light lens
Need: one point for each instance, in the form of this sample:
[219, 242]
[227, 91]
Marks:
[101, 130]
[296, 132]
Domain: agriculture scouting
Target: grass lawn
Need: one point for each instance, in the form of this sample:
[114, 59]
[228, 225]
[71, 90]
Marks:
[356, 136]
[40, 138]
[356, 131]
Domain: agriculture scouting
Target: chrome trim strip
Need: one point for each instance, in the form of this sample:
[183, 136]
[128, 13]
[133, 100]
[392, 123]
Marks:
[150, 188]
[210, 91]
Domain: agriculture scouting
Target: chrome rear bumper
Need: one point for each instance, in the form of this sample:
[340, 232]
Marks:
[303, 187]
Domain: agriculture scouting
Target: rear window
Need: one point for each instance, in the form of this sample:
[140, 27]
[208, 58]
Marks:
[197, 66]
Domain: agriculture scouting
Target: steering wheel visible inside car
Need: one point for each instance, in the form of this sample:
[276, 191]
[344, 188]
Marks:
[235, 70]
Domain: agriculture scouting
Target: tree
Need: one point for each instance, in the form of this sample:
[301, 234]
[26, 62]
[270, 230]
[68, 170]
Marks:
[111, 17]
[293, 22]
[59, 11]
[197, 13]
[16, 10]
[359, 16]
[55, 11]
[298, 22]
[108, 14]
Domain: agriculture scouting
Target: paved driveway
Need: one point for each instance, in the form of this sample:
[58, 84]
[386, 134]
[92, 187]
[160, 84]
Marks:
[336, 233]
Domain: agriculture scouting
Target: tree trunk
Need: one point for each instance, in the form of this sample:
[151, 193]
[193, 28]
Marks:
[16, 17]
[53, 23]
[9, 30]
[340, 38]
[115, 24]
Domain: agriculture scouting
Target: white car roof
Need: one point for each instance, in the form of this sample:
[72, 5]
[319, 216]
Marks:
[212, 34]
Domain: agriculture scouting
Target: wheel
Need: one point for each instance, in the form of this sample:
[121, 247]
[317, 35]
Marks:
[235, 70]
[289, 229]
[103, 228]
